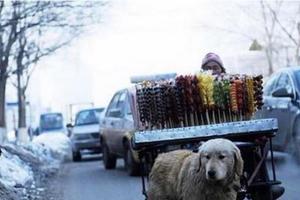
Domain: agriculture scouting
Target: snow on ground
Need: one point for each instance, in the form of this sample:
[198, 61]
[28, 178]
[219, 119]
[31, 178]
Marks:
[42, 152]
[13, 171]
[11, 136]
[21, 164]
[58, 142]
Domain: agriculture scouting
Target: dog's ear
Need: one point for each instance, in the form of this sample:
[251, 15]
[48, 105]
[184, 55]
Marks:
[198, 161]
[238, 162]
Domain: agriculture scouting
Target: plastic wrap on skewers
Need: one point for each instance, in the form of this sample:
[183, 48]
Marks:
[258, 91]
[250, 94]
[198, 102]
[190, 106]
[199, 99]
[142, 104]
[181, 96]
[246, 113]
[233, 97]
[206, 85]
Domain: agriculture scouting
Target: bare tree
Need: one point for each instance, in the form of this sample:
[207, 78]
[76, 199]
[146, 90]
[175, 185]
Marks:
[270, 39]
[291, 31]
[269, 30]
[41, 28]
[8, 36]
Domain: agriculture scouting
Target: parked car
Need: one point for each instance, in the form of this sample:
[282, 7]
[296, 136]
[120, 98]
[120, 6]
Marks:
[85, 132]
[51, 122]
[116, 129]
[282, 101]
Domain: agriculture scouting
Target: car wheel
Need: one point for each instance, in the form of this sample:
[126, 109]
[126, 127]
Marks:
[109, 160]
[76, 156]
[132, 167]
[294, 142]
[296, 147]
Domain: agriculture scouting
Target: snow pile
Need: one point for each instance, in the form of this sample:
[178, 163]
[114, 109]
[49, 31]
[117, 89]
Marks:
[11, 136]
[58, 142]
[43, 153]
[24, 166]
[14, 171]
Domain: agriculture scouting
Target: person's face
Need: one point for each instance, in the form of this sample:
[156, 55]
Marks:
[213, 66]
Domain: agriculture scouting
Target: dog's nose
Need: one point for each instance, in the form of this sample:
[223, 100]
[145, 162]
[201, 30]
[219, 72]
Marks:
[211, 173]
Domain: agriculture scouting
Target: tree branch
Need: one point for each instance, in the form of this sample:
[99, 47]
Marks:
[14, 84]
[230, 31]
[281, 26]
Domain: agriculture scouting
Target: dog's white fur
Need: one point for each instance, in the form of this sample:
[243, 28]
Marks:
[183, 175]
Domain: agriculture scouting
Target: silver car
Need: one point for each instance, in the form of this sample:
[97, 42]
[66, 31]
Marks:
[85, 132]
[282, 101]
[116, 129]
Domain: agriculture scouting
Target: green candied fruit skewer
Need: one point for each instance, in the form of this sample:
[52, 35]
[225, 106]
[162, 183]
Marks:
[217, 96]
[226, 98]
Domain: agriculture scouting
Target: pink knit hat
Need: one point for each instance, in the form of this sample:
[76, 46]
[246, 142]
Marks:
[213, 57]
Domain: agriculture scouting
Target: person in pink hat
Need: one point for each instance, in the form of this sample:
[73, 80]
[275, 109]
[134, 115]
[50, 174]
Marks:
[213, 62]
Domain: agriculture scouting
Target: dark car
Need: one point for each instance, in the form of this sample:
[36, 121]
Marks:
[282, 101]
[51, 122]
[116, 129]
[85, 132]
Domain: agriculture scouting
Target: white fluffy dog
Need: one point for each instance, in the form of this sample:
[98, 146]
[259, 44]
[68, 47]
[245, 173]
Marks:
[212, 174]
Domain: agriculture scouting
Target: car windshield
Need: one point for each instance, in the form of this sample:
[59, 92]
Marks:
[49, 122]
[88, 117]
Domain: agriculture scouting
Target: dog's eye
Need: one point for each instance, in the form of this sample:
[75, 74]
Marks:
[207, 157]
[221, 157]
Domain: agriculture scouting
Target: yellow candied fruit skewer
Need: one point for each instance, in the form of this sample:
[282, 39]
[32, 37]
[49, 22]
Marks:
[233, 98]
[250, 92]
[205, 85]
[210, 92]
[201, 87]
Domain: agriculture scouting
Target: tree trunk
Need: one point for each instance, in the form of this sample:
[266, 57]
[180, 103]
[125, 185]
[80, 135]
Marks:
[270, 61]
[297, 56]
[22, 130]
[21, 105]
[3, 79]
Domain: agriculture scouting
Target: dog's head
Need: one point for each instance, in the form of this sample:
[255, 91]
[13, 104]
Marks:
[221, 160]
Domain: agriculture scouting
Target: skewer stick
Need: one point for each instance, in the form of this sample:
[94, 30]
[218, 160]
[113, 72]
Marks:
[201, 118]
[192, 119]
[224, 116]
[213, 116]
[219, 116]
[207, 116]
[186, 119]
[182, 123]
[196, 118]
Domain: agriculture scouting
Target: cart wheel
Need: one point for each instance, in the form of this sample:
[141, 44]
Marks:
[261, 192]
[109, 160]
[132, 167]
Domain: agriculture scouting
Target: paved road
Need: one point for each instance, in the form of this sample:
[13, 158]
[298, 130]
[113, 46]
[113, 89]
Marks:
[288, 172]
[88, 180]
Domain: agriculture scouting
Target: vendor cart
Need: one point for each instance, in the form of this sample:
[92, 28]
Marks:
[254, 138]
[183, 112]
